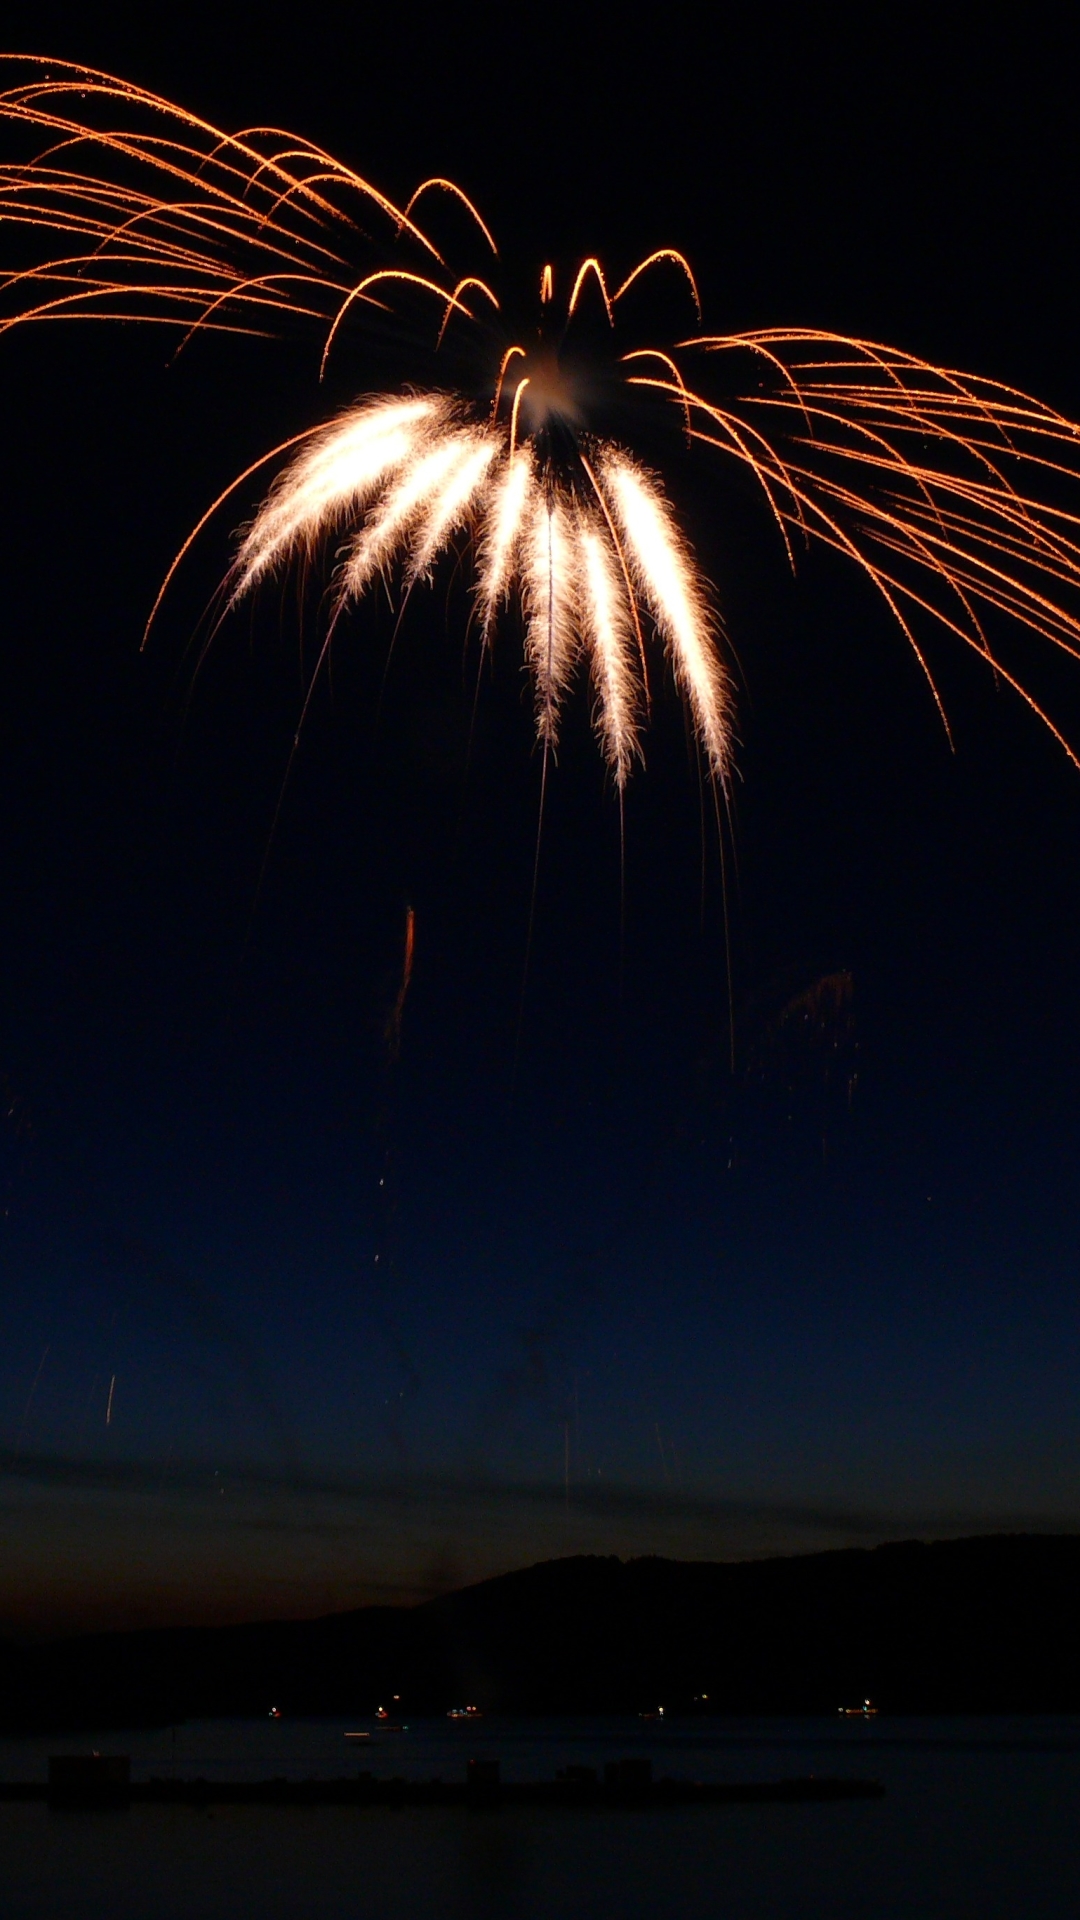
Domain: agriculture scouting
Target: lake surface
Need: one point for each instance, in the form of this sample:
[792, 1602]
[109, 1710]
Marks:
[981, 1818]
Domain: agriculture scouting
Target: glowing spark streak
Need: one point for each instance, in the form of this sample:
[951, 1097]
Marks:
[393, 1024]
[752, 344]
[284, 446]
[152, 153]
[550, 585]
[927, 606]
[836, 537]
[449, 186]
[894, 365]
[228, 172]
[1002, 507]
[470, 280]
[547, 287]
[452, 505]
[518, 391]
[610, 639]
[666, 579]
[323, 167]
[587, 267]
[418, 489]
[108, 1410]
[663, 253]
[985, 654]
[654, 353]
[240, 292]
[631, 599]
[372, 279]
[989, 581]
[504, 363]
[337, 170]
[502, 533]
[767, 462]
[736, 432]
[20, 102]
[61, 309]
[296, 187]
[888, 454]
[336, 476]
[186, 296]
[148, 213]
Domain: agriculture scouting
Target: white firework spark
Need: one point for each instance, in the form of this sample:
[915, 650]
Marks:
[422, 474]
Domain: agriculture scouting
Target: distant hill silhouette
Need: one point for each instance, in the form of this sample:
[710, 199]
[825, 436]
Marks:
[984, 1625]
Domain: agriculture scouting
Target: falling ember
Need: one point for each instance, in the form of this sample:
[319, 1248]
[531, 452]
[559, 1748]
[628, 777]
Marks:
[393, 1024]
[108, 1410]
[933, 483]
[30, 1401]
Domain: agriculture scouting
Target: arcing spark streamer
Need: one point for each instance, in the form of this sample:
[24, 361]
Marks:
[950, 492]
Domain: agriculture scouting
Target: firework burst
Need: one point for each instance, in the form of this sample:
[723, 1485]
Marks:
[951, 493]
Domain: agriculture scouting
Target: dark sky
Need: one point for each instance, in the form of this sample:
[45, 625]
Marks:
[627, 1297]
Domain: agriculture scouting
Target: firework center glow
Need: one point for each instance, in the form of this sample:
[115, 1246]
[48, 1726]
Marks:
[552, 393]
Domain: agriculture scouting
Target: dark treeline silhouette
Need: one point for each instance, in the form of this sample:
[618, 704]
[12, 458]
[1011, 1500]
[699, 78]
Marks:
[984, 1625]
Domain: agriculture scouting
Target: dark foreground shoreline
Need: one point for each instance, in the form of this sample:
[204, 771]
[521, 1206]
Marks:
[964, 1626]
[369, 1792]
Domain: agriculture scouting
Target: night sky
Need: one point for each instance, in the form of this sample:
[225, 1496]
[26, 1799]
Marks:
[613, 1294]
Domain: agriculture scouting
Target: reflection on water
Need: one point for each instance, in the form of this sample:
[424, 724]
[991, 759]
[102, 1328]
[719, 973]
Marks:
[979, 1820]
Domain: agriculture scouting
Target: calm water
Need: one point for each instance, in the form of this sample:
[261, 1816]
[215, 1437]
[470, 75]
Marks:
[981, 1819]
